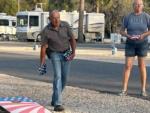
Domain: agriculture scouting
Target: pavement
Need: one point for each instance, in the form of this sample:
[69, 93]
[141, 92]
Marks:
[75, 100]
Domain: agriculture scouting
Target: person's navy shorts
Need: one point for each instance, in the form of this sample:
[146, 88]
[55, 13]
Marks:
[136, 48]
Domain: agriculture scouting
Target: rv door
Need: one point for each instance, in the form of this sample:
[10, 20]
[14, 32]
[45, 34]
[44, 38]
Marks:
[34, 26]
[34, 23]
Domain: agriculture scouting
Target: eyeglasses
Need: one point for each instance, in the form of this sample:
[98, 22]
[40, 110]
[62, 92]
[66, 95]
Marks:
[137, 5]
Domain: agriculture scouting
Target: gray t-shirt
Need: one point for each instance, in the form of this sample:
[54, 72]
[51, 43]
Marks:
[137, 24]
[57, 40]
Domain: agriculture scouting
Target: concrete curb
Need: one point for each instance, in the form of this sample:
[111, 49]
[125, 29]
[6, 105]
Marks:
[79, 51]
[82, 51]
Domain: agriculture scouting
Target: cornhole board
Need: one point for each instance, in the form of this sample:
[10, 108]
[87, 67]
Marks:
[20, 104]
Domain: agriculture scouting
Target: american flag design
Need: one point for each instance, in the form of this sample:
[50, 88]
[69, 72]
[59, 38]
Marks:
[21, 105]
[16, 99]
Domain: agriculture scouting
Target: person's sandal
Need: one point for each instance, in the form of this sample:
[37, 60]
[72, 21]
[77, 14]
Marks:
[123, 93]
[144, 94]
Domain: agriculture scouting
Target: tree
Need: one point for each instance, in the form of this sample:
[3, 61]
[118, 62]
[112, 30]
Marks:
[97, 5]
[33, 3]
[113, 15]
[24, 5]
[100, 4]
[8, 6]
[81, 16]
[147, 6]
[67, 5]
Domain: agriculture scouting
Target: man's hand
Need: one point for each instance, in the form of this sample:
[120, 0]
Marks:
[71, 57]
[42, 69]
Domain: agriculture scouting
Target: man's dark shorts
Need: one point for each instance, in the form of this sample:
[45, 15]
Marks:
[136, 48]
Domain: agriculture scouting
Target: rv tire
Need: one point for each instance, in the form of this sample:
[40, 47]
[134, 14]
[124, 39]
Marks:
[38, 38]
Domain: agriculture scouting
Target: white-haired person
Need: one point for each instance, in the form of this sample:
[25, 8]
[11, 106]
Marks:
[136, 27]
[59, 43]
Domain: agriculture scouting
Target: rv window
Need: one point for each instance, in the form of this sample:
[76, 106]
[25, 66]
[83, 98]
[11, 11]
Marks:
[4, 22]
[13, 23]
[22, 20]
[34, 21]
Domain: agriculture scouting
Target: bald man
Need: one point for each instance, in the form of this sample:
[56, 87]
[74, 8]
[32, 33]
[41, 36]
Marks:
[136, 27]
[57, 41]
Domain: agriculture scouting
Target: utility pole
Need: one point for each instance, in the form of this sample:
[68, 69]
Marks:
[81, 17]
[18, 5]
[97, 6]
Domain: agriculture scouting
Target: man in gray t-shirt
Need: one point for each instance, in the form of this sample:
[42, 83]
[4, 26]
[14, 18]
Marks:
[57, 39]
[59, 43]
[136, 27]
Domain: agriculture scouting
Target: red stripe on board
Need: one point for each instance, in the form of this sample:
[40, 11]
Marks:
[29, 109]
[17, 107]
[11, 105]
[41, 110]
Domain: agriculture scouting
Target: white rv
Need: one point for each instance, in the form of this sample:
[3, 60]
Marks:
[93, 24]
[7, 26]
[30, 23]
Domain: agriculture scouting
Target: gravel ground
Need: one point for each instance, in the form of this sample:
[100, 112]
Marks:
[75, 100]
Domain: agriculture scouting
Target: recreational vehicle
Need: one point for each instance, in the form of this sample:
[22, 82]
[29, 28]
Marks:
[7, 26]
[30, 23]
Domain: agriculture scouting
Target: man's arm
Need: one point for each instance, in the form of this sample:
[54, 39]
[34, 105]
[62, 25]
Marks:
[43, 54]
[73, 47]
[72, 41]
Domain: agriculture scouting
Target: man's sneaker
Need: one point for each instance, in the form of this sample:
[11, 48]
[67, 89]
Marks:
[144, 94]
[52, 104]
[123, 93]
[58, 108]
